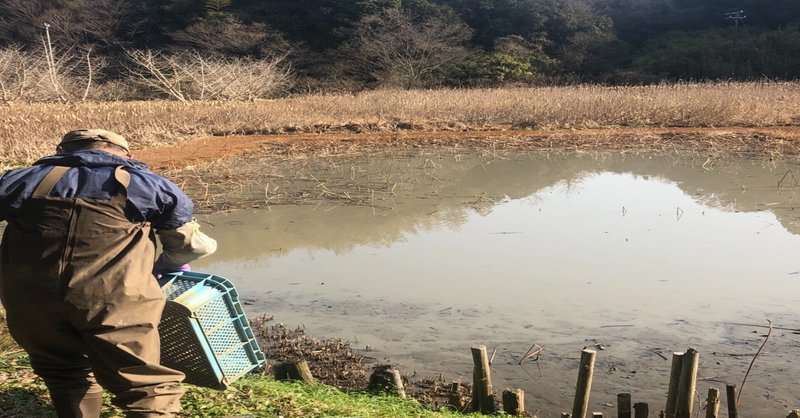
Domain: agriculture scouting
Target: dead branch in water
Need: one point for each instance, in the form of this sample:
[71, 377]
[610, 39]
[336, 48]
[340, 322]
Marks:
[534, 351]
[762, 326]
[741, 388]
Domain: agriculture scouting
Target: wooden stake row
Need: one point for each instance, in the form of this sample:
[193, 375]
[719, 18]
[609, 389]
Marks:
[680, 393]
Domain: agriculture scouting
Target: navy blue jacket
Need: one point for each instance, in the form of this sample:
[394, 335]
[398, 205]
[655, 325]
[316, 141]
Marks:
[151, 198]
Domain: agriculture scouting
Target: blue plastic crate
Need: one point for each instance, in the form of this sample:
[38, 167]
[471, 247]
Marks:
[204, 331]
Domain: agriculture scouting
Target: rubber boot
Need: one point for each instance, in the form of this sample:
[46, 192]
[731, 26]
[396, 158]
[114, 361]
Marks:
[77, 404]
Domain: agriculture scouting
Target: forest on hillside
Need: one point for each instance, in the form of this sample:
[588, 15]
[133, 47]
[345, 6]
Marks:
[336, 45]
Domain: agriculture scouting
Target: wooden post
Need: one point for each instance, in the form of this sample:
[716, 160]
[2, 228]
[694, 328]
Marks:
[712, 403]
[386, 378]
[688, 382]
[624, 405]
[674, 379]
[733, 409]
[482, 391]
[794, 414]
[455, 399]
[584, 386]
[294, 370]
[642, 409]
[514, 402]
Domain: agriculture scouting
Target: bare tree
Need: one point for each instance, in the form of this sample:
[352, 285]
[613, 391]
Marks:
[160, 72]
[231, 37]
[19, 21]
[190, 76]
[397, 50]
[72, 72]
[102, 22]
[15, 74]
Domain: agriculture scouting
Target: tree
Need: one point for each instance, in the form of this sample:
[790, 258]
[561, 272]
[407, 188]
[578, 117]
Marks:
[190, 76]
[396, 50]
[15, 74]
[231, 37]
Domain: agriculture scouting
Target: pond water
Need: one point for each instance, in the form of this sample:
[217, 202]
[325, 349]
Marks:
[637, 256]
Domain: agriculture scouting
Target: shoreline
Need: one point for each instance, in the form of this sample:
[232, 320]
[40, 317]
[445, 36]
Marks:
[763, 141]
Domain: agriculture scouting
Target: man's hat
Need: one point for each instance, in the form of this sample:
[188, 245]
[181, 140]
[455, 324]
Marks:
[101, 135]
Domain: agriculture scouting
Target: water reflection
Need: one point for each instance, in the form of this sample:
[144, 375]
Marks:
[583, 241]
[560, 250]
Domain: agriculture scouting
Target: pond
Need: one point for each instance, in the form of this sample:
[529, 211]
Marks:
[636, 256]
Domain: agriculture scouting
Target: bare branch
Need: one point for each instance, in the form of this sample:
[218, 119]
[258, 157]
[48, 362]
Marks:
[395, 49]
[189, 75]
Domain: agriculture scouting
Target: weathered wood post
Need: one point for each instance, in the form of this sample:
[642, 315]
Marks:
[733, 409]
[685, 402]
[482, 391]
[386, 378]
[794, 414]
[514, 402]
[624, 405]
[674, 380]
[712, 403]
[642, 410]
[294, 370]
[455, 399]
[584, 386]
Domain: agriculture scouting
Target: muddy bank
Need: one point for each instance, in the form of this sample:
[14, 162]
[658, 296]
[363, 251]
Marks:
[774, 141]
[336, 362]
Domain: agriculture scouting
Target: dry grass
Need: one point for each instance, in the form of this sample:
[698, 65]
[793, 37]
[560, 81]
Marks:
[29, 130]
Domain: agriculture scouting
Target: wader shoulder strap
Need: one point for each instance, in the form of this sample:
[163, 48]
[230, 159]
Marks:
[49, 181]
[124, 179]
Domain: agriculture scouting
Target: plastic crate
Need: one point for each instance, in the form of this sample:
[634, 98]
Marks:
[204, 331]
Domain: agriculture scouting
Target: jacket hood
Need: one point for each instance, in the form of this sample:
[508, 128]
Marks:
[91, 158]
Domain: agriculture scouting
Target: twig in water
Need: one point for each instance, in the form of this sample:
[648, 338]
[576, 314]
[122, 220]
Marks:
[491, 359]
[789, 172]
[761, 326]
[741, 388]
[535, 350]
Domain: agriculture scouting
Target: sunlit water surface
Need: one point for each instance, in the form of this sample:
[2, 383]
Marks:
[634, 255]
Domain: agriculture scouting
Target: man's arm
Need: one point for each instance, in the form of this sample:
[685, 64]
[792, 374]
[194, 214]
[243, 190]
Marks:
[179, 233]
[184, 244]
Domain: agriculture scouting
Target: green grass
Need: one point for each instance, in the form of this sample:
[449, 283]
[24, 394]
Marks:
[262, 396]
[23, 394]
[253, 395]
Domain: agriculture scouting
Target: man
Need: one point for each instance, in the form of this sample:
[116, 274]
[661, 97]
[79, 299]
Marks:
[76, 273]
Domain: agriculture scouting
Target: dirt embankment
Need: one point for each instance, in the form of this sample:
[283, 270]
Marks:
[772, 141]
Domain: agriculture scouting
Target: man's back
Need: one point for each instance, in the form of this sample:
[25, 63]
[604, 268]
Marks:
[76, 273]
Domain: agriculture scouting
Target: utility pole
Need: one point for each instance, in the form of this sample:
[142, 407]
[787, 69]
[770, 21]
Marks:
[736, 16]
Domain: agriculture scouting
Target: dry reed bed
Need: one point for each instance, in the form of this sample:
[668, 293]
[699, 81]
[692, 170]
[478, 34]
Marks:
[28, 130]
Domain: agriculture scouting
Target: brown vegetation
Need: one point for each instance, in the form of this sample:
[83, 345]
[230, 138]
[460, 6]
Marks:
[28, 131]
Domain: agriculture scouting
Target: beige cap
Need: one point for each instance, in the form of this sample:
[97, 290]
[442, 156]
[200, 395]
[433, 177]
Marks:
[95, 135]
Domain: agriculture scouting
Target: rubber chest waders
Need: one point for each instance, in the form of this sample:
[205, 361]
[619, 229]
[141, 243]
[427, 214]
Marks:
[76, 282]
